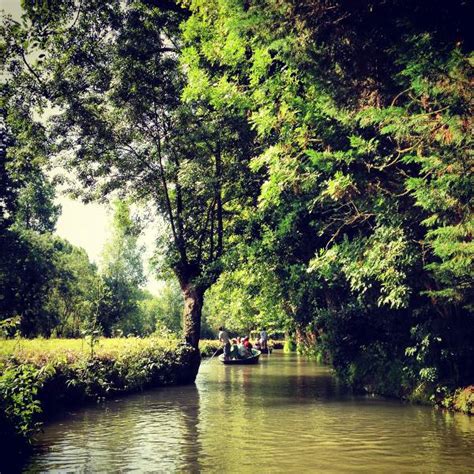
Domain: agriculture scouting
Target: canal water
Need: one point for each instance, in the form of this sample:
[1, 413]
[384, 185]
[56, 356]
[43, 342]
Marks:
[285, 414]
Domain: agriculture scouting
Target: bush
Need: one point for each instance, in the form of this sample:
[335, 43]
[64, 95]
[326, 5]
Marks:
[289, 346]
[461, 400]
[39, 375]
[19, 404]
[209, 347]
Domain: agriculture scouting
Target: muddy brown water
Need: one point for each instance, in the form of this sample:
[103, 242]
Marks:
[285, 414]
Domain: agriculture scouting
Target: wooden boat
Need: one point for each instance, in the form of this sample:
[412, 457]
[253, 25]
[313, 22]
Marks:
[249, 360]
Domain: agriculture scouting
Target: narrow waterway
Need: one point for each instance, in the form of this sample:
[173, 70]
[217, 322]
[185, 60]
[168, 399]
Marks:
[284, 415]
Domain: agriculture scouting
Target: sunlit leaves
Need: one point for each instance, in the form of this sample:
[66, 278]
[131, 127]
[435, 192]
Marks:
[339, 186]
[382, 261]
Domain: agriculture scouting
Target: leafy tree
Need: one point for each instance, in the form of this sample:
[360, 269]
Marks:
[121, 270]
[367, 164]
[71, 296]
[248, 297]
[354, 225]
[28, 215]
[111, 71]
[43, 278]
[163, 312]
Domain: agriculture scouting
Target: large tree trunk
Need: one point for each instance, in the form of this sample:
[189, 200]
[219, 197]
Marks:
[193, 300]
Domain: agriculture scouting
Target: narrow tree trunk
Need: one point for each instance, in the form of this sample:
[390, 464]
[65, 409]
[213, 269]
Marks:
[193, 300]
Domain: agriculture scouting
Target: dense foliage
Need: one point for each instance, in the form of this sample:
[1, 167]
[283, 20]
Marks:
[48, 286]
[312, 159]
[46, 282]
[109, 73]
[363, 112]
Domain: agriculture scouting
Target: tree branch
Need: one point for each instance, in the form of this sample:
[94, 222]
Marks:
[177, 235]
[77, 16]
[35, 74]
[178, 239]
[210, 210]
[220, 226]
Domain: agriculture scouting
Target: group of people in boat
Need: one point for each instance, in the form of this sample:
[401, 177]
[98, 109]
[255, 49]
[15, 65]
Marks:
[241, 347]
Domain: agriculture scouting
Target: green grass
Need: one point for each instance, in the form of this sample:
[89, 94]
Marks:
[43, 351]
[40, 352]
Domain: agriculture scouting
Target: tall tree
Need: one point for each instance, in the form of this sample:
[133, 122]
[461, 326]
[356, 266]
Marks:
[27, 216]
[163, 312]
[121, 269]
[71, 295]
[363, 114]
[111, 73]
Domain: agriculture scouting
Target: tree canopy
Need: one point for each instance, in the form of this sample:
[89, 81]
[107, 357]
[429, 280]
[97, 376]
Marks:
[111, 73]
[363, 115]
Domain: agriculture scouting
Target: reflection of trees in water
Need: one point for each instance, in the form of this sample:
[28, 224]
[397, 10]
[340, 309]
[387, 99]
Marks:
[174, 442]
[189, 409]
[272, 384]
[156, 429]
[244, 405]
[253, 414]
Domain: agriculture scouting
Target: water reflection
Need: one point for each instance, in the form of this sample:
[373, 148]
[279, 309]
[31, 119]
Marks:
[284, 415]
[157, 428]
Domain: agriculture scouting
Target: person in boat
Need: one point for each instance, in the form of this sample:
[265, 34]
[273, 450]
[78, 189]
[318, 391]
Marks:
[247, 346]
[246, 343]
[224, 338]
[242, 351]
[263, 339]
[234, 350]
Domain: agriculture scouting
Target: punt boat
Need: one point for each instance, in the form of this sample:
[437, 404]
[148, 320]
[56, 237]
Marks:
[253, 359]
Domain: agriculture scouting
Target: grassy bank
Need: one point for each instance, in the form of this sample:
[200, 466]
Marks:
[38, 376]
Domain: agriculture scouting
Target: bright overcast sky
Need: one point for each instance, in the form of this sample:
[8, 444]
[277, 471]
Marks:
[88, 226]
[12, 7]
[84, 225]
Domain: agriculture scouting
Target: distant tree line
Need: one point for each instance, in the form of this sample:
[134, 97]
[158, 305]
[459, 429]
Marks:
[49, 286]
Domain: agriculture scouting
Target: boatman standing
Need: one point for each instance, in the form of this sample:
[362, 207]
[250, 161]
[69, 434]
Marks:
[224, 338]
[264, 339]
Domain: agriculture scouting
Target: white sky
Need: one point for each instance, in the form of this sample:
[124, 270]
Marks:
[84, 225]
[88, 226]
[11, 7]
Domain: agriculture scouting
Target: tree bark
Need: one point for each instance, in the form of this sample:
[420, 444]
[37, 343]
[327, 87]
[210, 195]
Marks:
[193, 300]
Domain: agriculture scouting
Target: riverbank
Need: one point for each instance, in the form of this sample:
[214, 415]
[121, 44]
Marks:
[377, 374]
[39, 376]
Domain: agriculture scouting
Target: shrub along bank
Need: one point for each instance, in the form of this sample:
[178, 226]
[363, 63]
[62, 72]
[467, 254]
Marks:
[371, 368]
[39, 376]
[210, 347]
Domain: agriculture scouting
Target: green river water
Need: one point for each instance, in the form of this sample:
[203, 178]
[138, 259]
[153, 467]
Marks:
[285, 414]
